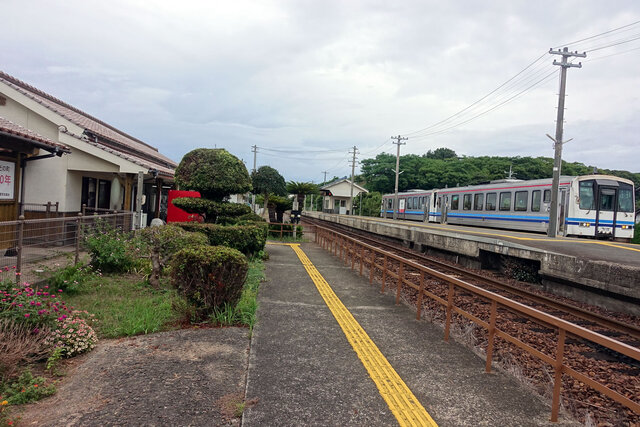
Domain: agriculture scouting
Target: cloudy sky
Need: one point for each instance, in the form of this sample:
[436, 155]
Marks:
[307, 80]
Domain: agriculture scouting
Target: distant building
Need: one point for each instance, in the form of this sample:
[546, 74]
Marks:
[337, 196]
[102, 167]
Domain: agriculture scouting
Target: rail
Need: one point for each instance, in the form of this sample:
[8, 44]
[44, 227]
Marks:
[350, 249]
[282, 229]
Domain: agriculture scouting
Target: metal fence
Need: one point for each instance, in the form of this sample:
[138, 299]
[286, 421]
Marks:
[28, 247]
[399, 272]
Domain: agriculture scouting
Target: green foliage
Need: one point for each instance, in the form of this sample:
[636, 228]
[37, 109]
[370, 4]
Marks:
[209, 276]
[301, 188]
[280, 204]
[215, 173]
[210, 209]
[54, 360]
[248, 239]
[125, 306]
[69, 278]
[110, 249]
[636, 235]
[266, 180]
[244, 312]
[442, 168]
[27, 389]
[371, 203]
[246, 219]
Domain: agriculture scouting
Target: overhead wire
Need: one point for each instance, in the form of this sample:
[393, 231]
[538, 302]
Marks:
[601, 34]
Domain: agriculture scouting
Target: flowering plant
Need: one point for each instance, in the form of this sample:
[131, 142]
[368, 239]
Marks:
[74, 335]
[36, 307]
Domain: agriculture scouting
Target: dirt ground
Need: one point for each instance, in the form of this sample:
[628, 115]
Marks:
[186, 377]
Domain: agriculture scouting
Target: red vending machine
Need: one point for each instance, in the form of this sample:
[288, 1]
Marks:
[175, 214]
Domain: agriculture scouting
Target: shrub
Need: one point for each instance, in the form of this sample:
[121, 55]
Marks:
[246, 219]
[73, 335]
[287, 230]
[110, 249]
[209, 276]
[33, 307]
[27, 389]
[20, 345]
[210, 209]
[69, 278]
[215, 173]
[248, 239]
[636, 234]
[161, 243]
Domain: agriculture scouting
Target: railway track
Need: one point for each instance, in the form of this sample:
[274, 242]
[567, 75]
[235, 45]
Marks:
[605, 367]
[589, 319]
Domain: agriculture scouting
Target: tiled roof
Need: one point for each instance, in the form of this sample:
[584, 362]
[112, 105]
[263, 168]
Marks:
[7, 126]
[109, 137]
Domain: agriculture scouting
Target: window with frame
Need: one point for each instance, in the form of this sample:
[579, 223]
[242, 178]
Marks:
[505, 201]
[466, 203]
[547, 196]
[409, 203]
[455, 200]
[521, 201]
[535, 200]
[389, 204]
[625, 198]
[491, 201]
[478, 201]
[587, 195]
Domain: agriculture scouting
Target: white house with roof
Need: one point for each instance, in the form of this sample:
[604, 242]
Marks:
[337, 196]
[104, 164]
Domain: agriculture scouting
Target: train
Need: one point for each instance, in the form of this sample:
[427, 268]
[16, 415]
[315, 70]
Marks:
[597, 206]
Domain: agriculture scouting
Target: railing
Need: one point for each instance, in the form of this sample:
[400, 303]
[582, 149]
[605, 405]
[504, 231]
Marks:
[27, 244]
[281, 229]
[396, 268]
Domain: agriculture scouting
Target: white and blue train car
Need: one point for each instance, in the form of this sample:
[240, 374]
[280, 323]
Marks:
[600, 206]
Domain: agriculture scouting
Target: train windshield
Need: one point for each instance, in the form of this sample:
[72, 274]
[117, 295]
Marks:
[625, 198]
[587, 196]
[607, 198]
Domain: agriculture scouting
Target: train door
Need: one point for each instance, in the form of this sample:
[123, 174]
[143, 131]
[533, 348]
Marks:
[426, 206]
[562, 212]
[442, 209]
[401, 208]
[606, 211]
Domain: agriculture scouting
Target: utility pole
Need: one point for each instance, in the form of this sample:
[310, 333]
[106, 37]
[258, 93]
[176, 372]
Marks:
[557, 159]
[324, 182]
[353, 169]
[325, 178]
[397, 171]
[254, 148]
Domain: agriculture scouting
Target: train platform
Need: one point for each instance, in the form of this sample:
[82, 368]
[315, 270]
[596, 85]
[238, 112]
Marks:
[610, 269]
[329, 349]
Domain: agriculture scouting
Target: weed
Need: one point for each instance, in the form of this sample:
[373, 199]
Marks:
[26, 389]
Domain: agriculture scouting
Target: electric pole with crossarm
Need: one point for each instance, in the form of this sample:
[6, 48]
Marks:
[397, 171]
[557, 159]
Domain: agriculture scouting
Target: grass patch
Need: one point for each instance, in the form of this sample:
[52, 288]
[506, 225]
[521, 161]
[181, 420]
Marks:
[124, 305]
[244, 313]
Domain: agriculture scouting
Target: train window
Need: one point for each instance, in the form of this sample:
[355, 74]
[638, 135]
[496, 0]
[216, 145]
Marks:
[466, 204]
[409, 203]
[625, 198]
[491, 201]
[587, 196]
[607, 197]
[521, 201]
[421, 201]
[454, 202]
[547, 196]
[478, 200]
[389, 203]
[415, 202]
[505, 201]
[535, 201]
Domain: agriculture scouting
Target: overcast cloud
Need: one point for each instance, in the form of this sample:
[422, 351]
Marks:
[328, 75]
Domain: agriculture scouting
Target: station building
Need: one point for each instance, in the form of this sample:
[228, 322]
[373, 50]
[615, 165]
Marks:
[94, 167]
[337, 196]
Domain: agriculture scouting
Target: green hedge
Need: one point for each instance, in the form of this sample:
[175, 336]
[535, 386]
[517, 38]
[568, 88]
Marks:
[248, 239]
[211, 209]
[209, 276]
[287, 230]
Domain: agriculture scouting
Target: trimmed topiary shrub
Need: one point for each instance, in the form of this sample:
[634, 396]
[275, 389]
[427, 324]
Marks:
[248, 239]
[215, 173]
[209, 276]
[161, 243]
[246, 219]
[210, 209]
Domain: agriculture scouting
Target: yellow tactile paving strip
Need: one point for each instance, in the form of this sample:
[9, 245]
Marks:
[403, 404]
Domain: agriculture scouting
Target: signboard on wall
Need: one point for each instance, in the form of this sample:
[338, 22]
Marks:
[7, 177]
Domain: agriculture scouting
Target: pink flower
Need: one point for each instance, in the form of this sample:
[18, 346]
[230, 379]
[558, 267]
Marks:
[27, 315]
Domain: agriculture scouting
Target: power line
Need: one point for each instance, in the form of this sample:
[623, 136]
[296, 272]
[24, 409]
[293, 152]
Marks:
[616, 43]
[600, 35]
